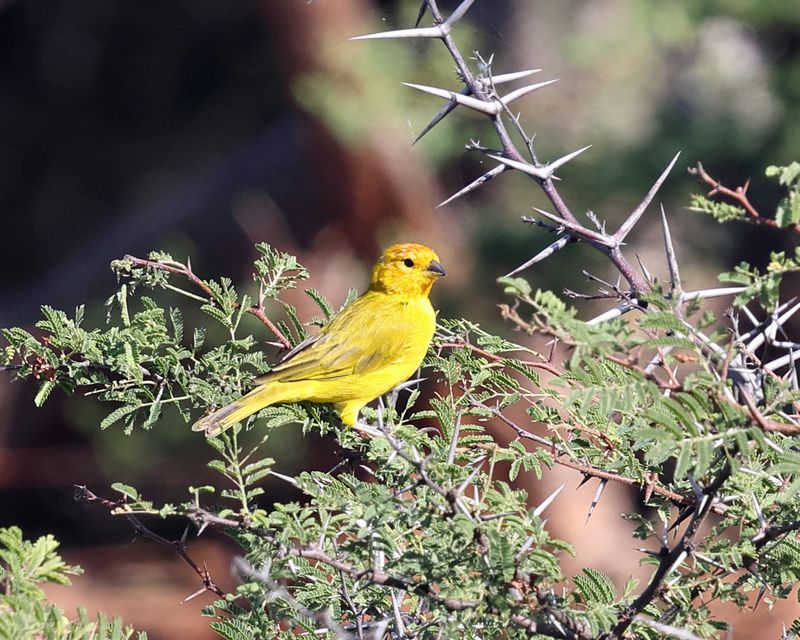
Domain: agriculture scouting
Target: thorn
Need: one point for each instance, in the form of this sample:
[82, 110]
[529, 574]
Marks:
[790, 357]
[761, 520]
[518, 93]
[421, 13]
[552, 228]
[199, 592]
[459, 13]
[184, 536]
[525, 546]
[542, 173]
[537, 172]
[202, 528]
[648, 552]
[490, 108]
[552, 166]
[438, 31]
[367, 430]
[644, 269]
[712, 293]
[761, 591]
[547, 501]
[466, 481]
[611, 314]
[366, 469]
[696, 488]
[678, 561]
[409, 384]
[649, 485]
[562, 242]
[439, 116]
[758, 332]
[479, 182]
[586, 478]
[288, 479]
[669, 249]
[682, 515]
[597, 494]
[626, 227]
[450, 106]
[510, 77]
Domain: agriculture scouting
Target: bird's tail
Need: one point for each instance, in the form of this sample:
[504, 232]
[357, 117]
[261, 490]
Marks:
[224, 418]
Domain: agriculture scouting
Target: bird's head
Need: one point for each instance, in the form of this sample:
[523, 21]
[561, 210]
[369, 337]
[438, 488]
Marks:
[406, 269]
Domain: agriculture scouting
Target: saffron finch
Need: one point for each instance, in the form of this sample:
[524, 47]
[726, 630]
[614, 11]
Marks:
[369, 348]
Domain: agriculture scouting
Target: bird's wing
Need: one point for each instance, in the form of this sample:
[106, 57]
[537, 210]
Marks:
[363, 338]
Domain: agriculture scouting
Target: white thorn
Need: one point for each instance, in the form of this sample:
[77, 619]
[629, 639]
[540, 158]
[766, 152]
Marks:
[712, 293]
[522, 91]
[492, 173]
[459, 13]
[616, 312]
[552, 166]
[626, 227]
[672, 259]
[537, 172]
[544, 253]
[491, 108]
[439, 31]
[510, 77]
[548, 501]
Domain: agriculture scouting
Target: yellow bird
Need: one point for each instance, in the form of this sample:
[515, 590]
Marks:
[369, 348]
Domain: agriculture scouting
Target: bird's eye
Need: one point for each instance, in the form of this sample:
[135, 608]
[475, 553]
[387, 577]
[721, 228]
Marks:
[408, 262]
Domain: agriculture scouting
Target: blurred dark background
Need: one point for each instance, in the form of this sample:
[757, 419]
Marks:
[201, 127]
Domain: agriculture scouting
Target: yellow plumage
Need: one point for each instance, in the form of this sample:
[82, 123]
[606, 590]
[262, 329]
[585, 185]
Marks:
[369, 348]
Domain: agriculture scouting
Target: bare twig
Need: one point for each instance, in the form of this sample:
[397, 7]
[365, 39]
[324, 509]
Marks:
[185, 271]
[178, 546]
[739, 196]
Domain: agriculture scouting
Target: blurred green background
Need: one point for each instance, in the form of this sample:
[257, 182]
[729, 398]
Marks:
[201, 127]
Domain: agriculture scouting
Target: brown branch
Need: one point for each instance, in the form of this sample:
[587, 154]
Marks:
[738, 195]
[186, 272]
[258, 312]
[460, 342]
[178, 546]
[764, 423]
[651, 485]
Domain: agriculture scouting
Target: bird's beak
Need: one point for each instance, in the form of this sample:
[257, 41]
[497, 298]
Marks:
[435, 267]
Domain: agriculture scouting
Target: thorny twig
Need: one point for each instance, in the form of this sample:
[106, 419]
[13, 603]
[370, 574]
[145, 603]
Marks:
[671, 559]
[256, 310]
[178, 546]
[739, 196]
[479, 94]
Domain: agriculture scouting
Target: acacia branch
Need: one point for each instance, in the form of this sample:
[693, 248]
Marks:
[670, 559]
[483, 93]
[178, 546]
[256, 310]
[739, 196]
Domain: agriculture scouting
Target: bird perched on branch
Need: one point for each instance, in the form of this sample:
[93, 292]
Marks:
[369, 348]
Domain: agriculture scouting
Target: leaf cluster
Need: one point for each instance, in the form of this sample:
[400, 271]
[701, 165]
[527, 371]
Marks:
[25, 566]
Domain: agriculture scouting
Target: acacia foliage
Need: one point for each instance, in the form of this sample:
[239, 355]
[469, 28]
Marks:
[422, 532]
